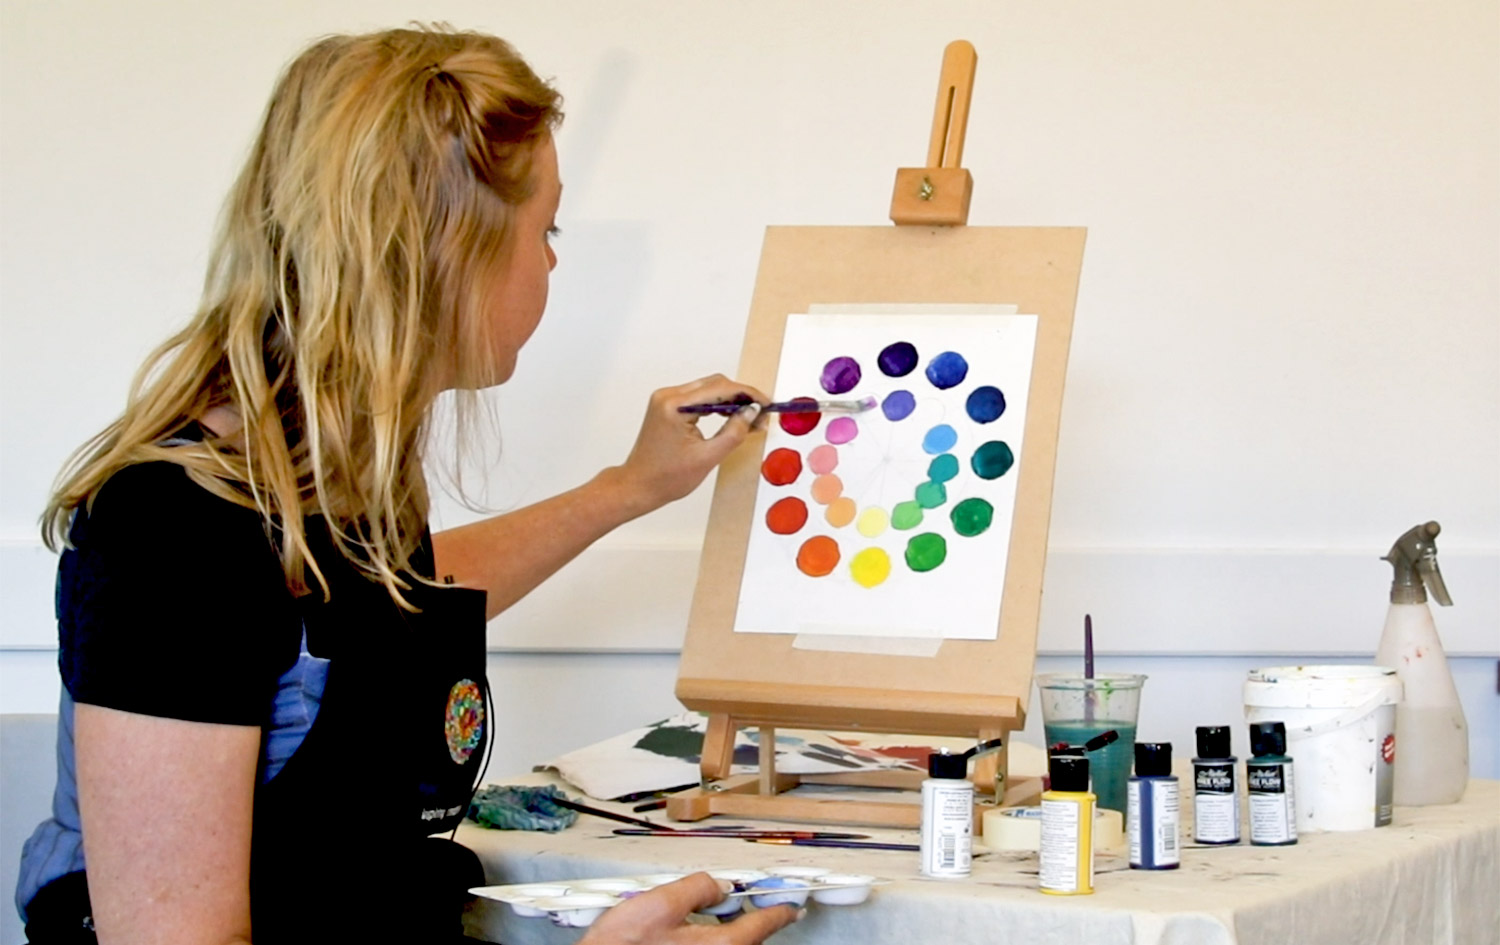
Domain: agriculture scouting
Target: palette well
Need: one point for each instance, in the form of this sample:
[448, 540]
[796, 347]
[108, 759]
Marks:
[578, 903]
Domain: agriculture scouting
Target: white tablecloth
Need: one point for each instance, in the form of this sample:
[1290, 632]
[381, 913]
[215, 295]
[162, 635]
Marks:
[1431, 878]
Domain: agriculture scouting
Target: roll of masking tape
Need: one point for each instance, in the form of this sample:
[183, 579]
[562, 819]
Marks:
[1020, 828]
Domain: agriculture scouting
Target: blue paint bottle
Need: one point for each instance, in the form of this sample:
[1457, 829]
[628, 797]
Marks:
[1154, 809]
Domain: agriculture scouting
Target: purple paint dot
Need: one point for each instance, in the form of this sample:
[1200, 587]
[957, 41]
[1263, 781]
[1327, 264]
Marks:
[840, 375]
[898, 405]
[841, 430]
[947, 370]
[898, 360]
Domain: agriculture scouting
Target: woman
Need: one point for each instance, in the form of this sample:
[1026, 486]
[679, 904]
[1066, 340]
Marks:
[250, 606]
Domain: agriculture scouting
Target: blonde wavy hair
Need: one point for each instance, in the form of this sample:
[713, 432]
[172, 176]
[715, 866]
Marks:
[347, 288]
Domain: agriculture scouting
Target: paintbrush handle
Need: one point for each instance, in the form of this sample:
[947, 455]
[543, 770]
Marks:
[843, 844]
[610, 815]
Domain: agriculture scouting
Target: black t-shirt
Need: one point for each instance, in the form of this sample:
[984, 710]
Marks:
[172, 602]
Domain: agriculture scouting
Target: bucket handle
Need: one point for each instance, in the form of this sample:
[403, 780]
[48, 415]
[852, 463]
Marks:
[1346, 717]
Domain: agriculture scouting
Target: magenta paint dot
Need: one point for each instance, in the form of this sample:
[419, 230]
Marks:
[840, 375]
[823, 460]
[841, 430]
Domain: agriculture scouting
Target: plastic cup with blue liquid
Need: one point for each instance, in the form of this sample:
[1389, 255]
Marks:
[1076, 708]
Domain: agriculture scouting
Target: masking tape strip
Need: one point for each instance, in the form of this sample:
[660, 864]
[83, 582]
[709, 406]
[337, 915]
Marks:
[877, 646]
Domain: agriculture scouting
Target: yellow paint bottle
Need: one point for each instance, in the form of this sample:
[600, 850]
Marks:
[1067, 855]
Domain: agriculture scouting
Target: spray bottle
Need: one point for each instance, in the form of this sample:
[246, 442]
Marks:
[1432, 750]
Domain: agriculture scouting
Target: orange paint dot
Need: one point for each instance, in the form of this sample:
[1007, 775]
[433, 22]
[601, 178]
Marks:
[818, 556]
[782, 467]
[827, 488]
[840, 511]
[786, 516]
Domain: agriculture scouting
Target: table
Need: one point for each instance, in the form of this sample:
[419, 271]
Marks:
[1431, 878]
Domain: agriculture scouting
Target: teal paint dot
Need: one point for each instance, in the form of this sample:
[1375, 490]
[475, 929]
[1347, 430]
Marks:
[906, 515]
[926, 551]
[942, 468]
[930, 495]
[992, 460]
[939, 439]
[972, 517]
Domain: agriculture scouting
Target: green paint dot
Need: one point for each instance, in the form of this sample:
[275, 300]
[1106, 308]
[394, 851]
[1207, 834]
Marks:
[926, 551]
[972, 516]
[993, 460]
[906, 515]
[942, 468]
[930, 495]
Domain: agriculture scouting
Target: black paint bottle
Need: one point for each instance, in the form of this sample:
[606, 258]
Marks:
[1216, 797]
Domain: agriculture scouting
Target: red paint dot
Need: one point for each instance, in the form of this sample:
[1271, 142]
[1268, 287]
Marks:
[782, 467]
[801, 424]
[818, 556]
[787, 515]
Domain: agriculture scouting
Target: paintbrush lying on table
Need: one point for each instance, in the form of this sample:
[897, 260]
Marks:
[796, 405]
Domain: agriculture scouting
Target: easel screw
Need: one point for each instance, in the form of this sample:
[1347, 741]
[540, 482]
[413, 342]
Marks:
[924, 192]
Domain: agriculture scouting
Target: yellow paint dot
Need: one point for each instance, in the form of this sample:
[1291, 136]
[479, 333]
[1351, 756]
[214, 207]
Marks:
[826, 488]
[872, 521]
[840, 512]
[870, 567]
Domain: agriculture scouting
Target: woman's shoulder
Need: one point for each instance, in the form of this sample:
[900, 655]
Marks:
[158, 506]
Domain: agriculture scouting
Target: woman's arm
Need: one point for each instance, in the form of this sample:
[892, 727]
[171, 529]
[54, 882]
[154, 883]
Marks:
[670, 458]
[166, 808]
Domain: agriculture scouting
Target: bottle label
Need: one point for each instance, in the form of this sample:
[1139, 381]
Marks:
[947, 828]
[1216, 804]
[1067, 855]
[1273, 809]
[1154, 817]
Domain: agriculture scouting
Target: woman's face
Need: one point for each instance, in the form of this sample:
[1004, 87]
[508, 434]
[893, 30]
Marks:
[521, 296]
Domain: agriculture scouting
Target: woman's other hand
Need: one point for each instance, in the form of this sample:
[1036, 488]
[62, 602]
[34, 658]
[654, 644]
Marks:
[660, 916]
[671, 455]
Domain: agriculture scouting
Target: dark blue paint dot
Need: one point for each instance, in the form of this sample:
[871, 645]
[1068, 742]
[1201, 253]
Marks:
[898, 405]
[947, 370]
[840, 375]
[986, 404]
[898, 360]
[939, 439]
[942, 468]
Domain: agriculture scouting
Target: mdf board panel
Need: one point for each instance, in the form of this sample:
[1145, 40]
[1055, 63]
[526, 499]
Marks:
[967, 683]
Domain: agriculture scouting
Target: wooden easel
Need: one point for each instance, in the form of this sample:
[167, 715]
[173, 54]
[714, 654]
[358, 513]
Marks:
[971, 688]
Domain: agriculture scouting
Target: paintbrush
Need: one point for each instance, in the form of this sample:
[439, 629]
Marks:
[843, 844]
[747, 833]
[610, 815]
[798, 405]
[1088, 668]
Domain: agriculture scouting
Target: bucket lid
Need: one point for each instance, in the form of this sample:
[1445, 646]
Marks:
[1321, 687]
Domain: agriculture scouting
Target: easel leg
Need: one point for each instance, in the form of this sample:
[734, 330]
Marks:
[718, 747]
[767, 761]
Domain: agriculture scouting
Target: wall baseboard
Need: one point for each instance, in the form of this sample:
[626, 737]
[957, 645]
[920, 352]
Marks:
[635, 598]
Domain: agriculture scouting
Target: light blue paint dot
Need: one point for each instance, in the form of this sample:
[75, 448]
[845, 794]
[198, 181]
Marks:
[940, 439]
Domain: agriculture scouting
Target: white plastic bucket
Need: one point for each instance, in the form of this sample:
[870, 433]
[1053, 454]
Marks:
[1341, 735]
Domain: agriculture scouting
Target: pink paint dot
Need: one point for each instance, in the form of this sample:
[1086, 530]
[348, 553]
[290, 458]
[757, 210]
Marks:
[842, 430]
[823, 460]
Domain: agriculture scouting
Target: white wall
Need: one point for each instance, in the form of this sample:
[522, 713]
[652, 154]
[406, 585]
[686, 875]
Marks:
[1287, 335]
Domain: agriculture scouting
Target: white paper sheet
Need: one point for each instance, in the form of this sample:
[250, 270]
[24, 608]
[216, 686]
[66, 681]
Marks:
[882, 466]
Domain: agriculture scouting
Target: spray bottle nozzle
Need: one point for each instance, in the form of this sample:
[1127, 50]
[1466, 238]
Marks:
[1414, 557]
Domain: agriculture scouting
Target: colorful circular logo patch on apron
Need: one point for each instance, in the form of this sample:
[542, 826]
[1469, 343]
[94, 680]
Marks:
[463, 724]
